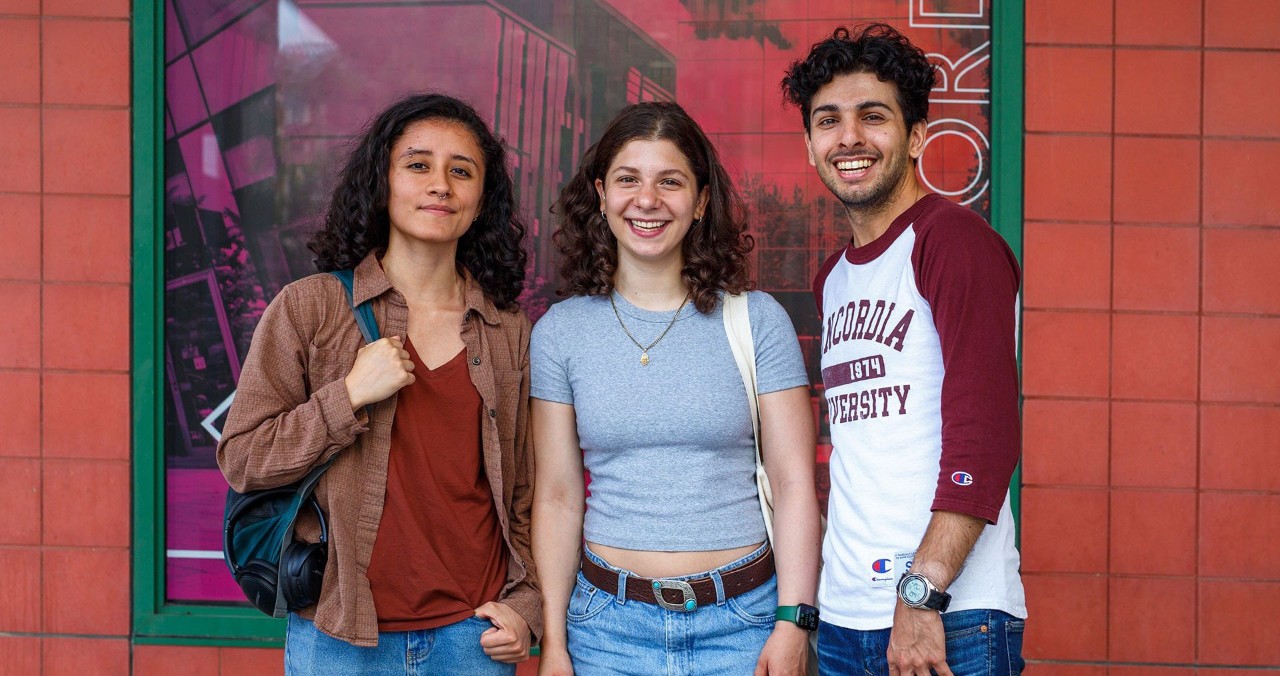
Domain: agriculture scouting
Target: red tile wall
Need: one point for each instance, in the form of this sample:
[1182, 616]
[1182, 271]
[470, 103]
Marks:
[1151, 512]
[64, 360]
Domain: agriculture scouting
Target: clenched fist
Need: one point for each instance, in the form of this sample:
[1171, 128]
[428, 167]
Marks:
[381, 369]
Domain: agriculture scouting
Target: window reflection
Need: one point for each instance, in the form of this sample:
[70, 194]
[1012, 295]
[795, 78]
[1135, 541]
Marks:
[261, 97]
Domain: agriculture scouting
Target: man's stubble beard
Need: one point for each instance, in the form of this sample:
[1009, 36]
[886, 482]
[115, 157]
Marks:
[879, 196]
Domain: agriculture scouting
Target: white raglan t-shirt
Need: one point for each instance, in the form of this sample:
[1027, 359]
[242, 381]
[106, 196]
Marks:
[920, 375]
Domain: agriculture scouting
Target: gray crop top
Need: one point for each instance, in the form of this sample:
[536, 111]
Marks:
[668, 446]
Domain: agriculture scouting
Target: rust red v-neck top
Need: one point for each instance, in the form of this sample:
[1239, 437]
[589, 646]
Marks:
[439, 552]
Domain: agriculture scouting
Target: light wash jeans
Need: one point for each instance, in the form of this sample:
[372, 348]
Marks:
[609, 634]
[451, 649]
[979, 643]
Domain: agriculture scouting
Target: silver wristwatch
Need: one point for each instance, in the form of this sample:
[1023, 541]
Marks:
[917, 591]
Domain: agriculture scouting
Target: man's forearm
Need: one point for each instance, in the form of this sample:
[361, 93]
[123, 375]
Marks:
[945, 546]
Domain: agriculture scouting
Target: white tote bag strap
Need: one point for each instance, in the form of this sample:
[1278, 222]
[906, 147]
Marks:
[737, 325]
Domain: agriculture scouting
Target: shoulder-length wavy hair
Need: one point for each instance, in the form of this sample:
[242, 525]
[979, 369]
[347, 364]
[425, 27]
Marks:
[715, 248]
[357, 221]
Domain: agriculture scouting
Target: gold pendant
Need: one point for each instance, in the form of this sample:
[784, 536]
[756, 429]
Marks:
[644, 358]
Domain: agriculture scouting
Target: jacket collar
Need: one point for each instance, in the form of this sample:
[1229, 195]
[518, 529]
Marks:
[371, 281]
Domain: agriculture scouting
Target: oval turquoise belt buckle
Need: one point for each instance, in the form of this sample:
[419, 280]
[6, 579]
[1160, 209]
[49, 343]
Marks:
[687, 605]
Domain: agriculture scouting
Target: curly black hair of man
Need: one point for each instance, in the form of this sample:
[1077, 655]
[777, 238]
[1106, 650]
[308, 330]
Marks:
[716, 246]
[873, 48]
[357, 221]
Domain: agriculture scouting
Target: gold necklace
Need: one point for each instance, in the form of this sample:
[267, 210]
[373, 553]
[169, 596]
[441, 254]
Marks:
[644, 350]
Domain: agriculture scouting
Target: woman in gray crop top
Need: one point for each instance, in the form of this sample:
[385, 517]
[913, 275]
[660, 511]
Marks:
[633, 380]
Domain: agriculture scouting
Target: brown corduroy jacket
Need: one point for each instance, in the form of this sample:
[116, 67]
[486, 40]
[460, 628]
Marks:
[291, 412]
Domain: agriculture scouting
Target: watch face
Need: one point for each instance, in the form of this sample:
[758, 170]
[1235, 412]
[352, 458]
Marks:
[807, 618]
[914, 590]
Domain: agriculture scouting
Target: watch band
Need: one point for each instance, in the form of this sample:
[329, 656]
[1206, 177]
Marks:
[803, 615]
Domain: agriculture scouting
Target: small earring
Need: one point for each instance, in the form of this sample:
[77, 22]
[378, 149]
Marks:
[602, 216]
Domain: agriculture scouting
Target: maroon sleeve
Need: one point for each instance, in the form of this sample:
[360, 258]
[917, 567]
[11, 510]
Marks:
[970, 278]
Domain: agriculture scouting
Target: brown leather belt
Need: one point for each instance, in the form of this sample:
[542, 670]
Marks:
[683, 595]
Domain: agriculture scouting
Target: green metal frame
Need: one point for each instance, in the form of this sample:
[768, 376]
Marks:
[156, 621]
[1007, 72]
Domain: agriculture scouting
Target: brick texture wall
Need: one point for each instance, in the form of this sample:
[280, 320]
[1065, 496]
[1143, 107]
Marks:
[64, 354]
[1151, 527]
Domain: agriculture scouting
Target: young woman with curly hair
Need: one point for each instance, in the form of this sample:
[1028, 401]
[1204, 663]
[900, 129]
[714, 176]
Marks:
[428, 497]
[636, 371]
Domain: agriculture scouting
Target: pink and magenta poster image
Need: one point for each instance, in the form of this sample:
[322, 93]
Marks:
[262, 96]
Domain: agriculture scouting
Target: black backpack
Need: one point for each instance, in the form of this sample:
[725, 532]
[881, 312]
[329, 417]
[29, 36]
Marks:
[276, 573]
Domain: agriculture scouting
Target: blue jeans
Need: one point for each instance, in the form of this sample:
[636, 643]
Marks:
[979, 643]
[609, 634]
[451, 649]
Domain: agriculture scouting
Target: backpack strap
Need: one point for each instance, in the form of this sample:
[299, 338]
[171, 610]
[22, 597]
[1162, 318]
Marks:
[280, 528]
[303, 497]
[364, 312]
[369, 329]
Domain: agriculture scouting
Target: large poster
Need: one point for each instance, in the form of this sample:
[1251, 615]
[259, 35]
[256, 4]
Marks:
[261, 98]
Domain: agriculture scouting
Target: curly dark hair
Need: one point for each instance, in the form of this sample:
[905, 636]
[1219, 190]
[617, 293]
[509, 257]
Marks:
[715, 248]
[357, 221]
[875, 48]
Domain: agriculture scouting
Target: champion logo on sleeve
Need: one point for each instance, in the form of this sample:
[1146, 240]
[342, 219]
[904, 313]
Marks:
[961, 478]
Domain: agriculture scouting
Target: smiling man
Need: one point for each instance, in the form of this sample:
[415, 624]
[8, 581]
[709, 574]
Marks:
[921, 379]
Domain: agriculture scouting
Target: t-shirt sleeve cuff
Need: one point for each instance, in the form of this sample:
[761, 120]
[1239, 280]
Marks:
[985, 512]
[343, 423]
[780, 385]
[551, 395]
